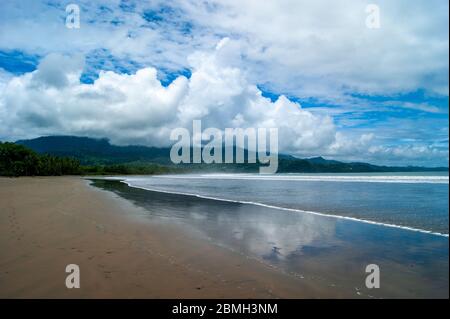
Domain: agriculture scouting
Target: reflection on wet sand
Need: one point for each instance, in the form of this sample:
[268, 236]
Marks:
[331, 252]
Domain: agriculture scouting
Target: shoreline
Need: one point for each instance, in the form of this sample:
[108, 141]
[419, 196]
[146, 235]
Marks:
[50, 222]
[353, 219]
[328, 253]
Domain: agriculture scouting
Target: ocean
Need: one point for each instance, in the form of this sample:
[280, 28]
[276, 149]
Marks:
[419, 202]
[322, 228]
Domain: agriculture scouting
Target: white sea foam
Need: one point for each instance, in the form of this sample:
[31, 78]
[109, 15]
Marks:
[321, 178]
[129, 183]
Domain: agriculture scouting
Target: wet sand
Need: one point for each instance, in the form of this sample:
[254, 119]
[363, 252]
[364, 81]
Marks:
[48, 223]
[327, 253]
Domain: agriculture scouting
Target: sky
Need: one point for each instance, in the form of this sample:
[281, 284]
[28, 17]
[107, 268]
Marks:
[134, 70]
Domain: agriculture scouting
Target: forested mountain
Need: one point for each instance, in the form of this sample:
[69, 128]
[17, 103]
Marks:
[91, 151]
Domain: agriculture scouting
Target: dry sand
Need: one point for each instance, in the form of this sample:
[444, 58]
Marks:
[48, 223]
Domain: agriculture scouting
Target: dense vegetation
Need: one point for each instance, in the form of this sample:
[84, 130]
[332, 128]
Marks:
[18, 160]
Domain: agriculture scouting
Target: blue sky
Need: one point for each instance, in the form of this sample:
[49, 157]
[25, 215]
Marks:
[333, 86]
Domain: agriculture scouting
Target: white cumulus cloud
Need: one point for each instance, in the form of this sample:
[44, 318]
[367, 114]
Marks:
[138, 109]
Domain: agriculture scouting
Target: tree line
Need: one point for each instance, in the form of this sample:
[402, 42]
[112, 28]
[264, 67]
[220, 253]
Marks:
[19, 160]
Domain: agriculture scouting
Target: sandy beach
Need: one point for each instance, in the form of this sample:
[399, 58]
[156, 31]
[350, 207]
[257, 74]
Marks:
[48, 223]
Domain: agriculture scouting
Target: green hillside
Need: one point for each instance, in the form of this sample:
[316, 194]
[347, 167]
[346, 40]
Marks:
[100, 152]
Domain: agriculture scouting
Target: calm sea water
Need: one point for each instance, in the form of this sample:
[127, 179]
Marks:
[418, 201]
[318, 247]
